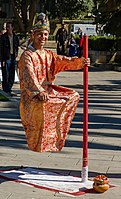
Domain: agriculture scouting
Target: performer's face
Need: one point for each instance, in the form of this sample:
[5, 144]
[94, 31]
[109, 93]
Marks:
[40, 37]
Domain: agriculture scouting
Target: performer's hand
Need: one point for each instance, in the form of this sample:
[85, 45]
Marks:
[43, 96]
[87, 62]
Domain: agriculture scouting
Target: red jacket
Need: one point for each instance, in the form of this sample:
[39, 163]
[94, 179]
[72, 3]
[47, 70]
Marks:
[81, 42]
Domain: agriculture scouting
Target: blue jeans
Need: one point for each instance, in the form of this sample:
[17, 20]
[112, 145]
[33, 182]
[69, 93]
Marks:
[8, 74]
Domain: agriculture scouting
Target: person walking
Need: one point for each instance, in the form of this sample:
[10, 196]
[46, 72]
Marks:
[46, 109]
[61, 39]
[80, 49]
[79, 41]
[72, 46]
[9, 44]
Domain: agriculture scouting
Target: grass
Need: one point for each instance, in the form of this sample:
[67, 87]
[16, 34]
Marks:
[3, 98]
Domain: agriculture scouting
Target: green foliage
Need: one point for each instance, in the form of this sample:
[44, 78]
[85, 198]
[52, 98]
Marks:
[104, 43]
[77, 38]
[68, 8]
[51, 38]
[3, 98]
[108, 14]
[117, 44]
[25, 11]
[113, 25]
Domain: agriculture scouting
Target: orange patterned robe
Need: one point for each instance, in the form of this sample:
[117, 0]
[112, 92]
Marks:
[46, 123]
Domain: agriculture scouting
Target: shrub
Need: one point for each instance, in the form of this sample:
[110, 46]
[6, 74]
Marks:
[117, 44]
[104, 43]
[51, 37]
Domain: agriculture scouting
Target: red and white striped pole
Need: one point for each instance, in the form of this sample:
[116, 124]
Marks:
[85, 113]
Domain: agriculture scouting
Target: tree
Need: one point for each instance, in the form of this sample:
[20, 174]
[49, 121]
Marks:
[24, 11]
[110, 16]
[67, 8]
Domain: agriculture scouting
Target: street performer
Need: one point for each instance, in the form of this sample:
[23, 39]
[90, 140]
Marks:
[46, 109]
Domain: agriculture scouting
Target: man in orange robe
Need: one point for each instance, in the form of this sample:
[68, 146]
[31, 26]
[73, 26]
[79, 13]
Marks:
[46, 109]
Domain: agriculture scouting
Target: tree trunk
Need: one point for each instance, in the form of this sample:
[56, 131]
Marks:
[24, 13]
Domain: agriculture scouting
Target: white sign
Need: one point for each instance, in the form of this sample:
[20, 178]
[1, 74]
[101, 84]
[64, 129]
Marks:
[88, 29]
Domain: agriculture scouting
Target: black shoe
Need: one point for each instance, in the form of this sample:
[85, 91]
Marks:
[13, 94]
[8, 93]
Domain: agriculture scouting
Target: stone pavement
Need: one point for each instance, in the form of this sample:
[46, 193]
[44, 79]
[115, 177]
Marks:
[104, 138]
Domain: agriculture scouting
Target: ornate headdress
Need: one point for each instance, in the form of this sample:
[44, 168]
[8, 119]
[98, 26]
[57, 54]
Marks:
[41, 23]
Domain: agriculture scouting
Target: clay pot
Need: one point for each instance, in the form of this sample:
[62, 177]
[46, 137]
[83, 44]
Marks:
[100, 184]
[100, 188]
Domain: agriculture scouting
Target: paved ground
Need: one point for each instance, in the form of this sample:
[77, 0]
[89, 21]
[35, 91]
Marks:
[104, 139]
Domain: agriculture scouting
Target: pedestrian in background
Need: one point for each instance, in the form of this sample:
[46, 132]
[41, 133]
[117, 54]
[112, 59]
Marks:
[80, 49]
[1, 32]
[79, 38]
[9, 44]
[72, 46]
[61, 39]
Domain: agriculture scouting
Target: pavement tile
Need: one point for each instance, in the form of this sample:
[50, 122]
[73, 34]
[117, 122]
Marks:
[104, 151]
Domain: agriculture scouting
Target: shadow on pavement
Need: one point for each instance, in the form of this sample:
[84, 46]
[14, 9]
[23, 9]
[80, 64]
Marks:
[99, 101]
